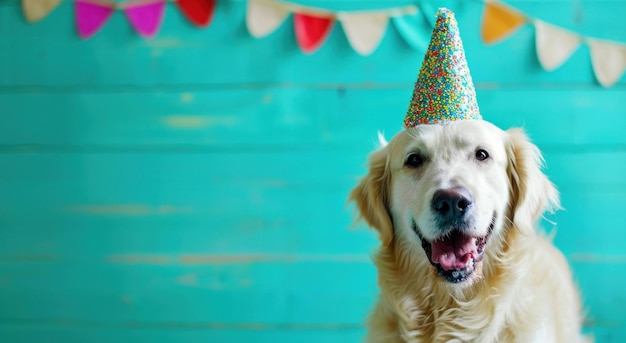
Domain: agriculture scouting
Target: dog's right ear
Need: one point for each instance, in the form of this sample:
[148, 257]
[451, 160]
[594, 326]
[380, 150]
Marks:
[371, 195]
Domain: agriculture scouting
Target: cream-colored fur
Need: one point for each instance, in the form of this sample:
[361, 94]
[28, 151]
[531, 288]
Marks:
[522, 291]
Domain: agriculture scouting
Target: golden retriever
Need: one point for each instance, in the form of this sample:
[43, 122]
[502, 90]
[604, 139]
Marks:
[460, 261]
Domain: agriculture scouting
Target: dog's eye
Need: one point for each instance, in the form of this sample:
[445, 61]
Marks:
[482, 154]
[415, 160]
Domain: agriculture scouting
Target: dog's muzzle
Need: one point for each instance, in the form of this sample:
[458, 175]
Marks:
[455, 253]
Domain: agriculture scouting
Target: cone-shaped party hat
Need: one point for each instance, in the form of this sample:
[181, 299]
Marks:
[444, 90]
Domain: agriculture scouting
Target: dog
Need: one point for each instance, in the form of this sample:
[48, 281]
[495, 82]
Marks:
[455, 207]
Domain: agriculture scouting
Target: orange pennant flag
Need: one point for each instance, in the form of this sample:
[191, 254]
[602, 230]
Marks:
[499, 21]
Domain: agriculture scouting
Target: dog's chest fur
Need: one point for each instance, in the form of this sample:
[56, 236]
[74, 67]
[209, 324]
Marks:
[416, 306]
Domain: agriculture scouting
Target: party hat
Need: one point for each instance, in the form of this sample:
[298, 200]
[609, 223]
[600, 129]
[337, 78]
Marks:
[444, 90]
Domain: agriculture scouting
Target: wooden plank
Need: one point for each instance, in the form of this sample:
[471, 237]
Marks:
[24, 333]
[269, 203]
[44, 334]
[71, 236]
[286, 118]
[229, 296]
[604, 318]
[233, 293]
[56, 57]
[201, 179]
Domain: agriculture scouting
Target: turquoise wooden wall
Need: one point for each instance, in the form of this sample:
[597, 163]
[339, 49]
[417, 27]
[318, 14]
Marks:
[192, 187]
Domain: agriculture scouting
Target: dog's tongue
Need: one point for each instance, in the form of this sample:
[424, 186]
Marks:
[453, 251]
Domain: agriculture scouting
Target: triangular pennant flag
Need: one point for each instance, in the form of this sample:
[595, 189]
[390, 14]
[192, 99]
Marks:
[198, 12]
[554, 45]
[35, 10]
[91, 16]
[146, 17]
[311, 31]
[263, 17]
[499, 21]
[364, 30]
[608, 60]
[414, 29]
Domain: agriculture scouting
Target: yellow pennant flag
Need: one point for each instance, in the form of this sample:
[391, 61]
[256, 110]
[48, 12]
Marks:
[499, 21]
[35, 10]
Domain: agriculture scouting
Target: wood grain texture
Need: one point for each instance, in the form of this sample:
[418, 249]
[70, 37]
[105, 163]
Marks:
[271, 118]
[192, 187]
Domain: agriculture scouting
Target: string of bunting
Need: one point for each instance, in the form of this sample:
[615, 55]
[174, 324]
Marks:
[364, 29]
[144, 15]
[555, 45]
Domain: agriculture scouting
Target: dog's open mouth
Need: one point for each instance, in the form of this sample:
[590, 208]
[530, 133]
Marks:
[455, 254]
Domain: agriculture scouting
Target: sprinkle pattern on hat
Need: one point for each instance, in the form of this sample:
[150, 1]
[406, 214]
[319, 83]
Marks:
[444, 90]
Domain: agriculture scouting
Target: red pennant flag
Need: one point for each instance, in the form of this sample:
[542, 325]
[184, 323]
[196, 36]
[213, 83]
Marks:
[146, 18]
[198, 12]
[91, 16]
[311, 32]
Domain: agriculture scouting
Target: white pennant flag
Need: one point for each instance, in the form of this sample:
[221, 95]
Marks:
[264, 17]
[554, 45]
[608, 61]
[364, 30]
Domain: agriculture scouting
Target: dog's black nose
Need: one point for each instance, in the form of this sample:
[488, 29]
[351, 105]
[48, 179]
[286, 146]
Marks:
[452, 203]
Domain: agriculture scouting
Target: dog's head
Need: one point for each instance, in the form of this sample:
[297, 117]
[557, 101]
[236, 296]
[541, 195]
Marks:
[450, 193]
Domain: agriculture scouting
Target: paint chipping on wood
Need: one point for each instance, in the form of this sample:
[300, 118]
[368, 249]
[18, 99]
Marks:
[190, 279]
[198, 121]
[187, 98]
[127, 299]
[140, 259]
[596, 258]
[27, 258]
[190, 325]
[164, 43]
[207, 259]
[128, 209]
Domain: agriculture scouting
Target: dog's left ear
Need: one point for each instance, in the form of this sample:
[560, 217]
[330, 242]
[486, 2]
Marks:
[371, 196]
[531, 192]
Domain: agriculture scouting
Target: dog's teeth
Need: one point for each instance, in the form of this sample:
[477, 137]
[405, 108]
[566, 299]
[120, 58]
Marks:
[455, 274]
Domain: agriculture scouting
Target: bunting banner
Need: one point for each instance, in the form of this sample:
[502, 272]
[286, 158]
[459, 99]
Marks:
[608, 60]
[91, 16]
[145, 16]
[363, 29]
[35, 10]
[555, 45]
[263, 18]
[499, 22]
[198, 12]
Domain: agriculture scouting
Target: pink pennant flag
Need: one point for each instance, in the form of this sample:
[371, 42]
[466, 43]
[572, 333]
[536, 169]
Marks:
[91, 16]
[146, 17]
[311, 31]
